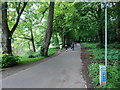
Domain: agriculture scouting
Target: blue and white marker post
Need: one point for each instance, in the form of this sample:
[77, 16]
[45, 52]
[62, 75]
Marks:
[103, 73]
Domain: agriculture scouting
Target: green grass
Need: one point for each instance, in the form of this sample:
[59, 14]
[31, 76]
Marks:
[113, 79]
[113, 54]
[26, 59]
[31, 57]
[2, 69]
[91, 45]
[113, 70]
[98, 53]
[52, 51]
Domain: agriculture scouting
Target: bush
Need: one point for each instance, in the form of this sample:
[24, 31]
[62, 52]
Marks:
[114, 55]
[113, 68]
[32, 54]
[113, 73]
[9, 60]
[51, 51]
[35, 56]
[115, 45]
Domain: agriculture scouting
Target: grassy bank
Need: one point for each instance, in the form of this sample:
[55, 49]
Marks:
[9, 60]
[35, 56]
[113, 68]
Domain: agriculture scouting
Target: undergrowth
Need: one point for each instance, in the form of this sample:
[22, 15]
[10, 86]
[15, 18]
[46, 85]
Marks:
[113, 68]
[11, 60]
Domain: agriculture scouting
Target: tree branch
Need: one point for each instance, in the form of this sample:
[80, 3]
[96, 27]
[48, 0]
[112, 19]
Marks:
[43, 14]
[18, 7]
[25, 38]
[18, 18]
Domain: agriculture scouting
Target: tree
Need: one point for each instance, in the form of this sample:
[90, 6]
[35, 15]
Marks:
[65, 21]
[100, 25]
[6, 32]
[93, 13]
[31, 25]
[47, 38]
[118, 20]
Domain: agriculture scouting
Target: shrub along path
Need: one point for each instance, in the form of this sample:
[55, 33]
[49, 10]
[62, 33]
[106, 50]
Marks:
[61, 71]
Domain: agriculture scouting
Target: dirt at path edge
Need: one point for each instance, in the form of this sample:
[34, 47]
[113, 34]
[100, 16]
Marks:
[85, 60]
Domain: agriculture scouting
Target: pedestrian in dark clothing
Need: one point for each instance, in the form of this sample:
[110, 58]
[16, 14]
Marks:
[72, 46]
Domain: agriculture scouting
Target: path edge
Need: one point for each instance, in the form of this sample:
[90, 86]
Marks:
[85, 63]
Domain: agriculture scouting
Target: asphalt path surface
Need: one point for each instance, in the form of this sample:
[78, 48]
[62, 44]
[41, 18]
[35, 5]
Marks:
[62, 71]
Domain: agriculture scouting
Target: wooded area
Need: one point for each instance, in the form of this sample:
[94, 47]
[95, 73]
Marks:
[31, 29]
[71, 22]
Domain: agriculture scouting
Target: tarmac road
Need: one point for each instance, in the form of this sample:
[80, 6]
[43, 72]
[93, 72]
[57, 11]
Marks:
[62, 71]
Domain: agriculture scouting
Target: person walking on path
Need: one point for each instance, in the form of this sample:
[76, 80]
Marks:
[66, 47]
[72, 46]
[60, 48]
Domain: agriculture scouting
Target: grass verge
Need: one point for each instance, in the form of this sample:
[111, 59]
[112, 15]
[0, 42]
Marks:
[25, 59]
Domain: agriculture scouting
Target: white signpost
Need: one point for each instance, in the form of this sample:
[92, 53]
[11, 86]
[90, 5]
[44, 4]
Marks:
[103, 73]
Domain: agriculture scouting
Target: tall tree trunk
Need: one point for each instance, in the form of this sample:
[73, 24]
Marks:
[63, 40]
[32, 40]
[48, 31]
[6, 34]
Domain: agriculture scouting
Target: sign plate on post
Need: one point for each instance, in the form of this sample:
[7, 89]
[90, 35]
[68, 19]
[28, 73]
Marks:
[103, 75]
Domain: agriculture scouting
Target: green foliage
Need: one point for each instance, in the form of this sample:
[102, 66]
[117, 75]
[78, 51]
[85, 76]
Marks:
[113, 73]
[90, 45]
[114, 45]
[113, 79]
[108, 86]
[9, 60]
[32, 54]
[35, 56]
[94, 73]
[113, 54]
[1, 69]
[25, 59]
[51, 51]
[98, 53]
[113, 68]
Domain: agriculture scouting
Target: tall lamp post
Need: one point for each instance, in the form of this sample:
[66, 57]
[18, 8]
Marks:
[103, 73]
[105, 7]
[106, 35]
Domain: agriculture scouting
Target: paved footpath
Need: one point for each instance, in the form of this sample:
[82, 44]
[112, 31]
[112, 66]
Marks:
[62, 71]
